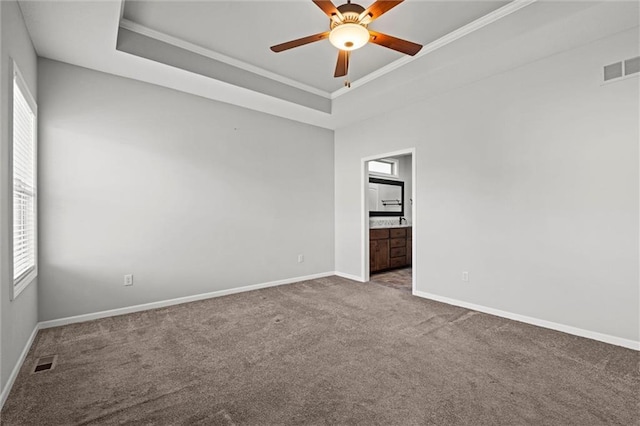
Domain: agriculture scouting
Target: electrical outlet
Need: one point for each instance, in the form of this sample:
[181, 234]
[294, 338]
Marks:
[465, 276]
[300, 258]
[128, 279]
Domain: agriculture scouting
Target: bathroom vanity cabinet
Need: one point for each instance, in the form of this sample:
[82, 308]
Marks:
[389, 248]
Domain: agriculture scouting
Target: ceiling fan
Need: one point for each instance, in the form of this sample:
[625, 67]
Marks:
[348, 31]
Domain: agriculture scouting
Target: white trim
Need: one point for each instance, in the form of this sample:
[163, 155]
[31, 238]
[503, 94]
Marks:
[16, 369]
[414, 238]
[479, 23]
[364, 216]
[182, 44]
[176, 301]
[593, 335]
[349, 276]
[24, 281]
[364, 212]
[122, 9]
[17, 75]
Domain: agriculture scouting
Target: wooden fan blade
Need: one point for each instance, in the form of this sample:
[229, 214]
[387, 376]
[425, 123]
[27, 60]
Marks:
[343, 63]
[328, 7]
[378, 8]
[403, 46]
[300, 42]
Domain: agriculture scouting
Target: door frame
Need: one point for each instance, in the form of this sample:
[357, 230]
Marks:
[364, 213]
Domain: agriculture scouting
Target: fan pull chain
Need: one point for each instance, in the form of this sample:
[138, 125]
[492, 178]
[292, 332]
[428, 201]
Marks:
[347, 81]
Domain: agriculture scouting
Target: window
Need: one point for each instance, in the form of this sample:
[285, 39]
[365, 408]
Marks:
[384, 167]
[24, 185]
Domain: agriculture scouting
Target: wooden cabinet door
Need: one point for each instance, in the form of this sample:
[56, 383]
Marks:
[382, 254]
[373, 248]
[378, 255]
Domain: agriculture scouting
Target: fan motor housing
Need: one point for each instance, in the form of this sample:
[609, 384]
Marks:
[350, 7]
[351, 13]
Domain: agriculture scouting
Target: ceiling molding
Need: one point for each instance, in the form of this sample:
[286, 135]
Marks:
[121, 10]
[476, 25]
[479, 23]
[84, 34]
[194, 48]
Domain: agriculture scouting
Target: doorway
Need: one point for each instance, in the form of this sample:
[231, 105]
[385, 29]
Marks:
[388, 207]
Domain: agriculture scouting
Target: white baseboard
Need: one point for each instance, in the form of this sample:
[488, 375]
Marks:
[16, 369]
[349, 276]
[177, 301]
[606, 338]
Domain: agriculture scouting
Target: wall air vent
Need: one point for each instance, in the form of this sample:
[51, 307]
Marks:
[613, 71]
[622, 69]
[632, 66]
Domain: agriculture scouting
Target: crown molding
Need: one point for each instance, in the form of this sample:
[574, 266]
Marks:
[476, 25]
[479, 23]
[121, 10]
[203, 51]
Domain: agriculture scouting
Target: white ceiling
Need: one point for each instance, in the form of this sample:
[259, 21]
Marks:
[244, 30]
[85, 33]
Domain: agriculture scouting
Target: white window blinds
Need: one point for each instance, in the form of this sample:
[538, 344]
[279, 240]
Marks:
[24, 182]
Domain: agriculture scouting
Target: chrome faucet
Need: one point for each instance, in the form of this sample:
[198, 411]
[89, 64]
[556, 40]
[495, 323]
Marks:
[401, 219]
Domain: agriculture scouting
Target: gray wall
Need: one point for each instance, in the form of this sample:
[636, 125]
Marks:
[528, 180]
[189, 195]
[20, 316]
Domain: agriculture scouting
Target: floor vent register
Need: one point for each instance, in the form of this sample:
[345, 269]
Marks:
[45, 363]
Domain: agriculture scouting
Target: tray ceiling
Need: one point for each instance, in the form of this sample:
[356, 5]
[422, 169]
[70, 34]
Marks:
[189, 46]
[244, 30]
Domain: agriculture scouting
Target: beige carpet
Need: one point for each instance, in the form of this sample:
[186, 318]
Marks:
[328, 351]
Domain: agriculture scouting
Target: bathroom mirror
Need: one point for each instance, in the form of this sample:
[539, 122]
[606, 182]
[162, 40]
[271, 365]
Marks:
[386, 197]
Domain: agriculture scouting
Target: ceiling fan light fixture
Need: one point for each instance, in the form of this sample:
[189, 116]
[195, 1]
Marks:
[349, 36]
[348, 31]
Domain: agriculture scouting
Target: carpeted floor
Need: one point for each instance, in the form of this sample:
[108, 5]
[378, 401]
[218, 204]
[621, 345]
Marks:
[327, 351]
[400, 279]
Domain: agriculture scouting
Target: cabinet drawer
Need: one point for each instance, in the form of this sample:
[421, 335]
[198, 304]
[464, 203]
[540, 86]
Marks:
[409, 232]
[398, 232]
[378, 234]
[397, 252]
[397, 261]
[398, 242]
